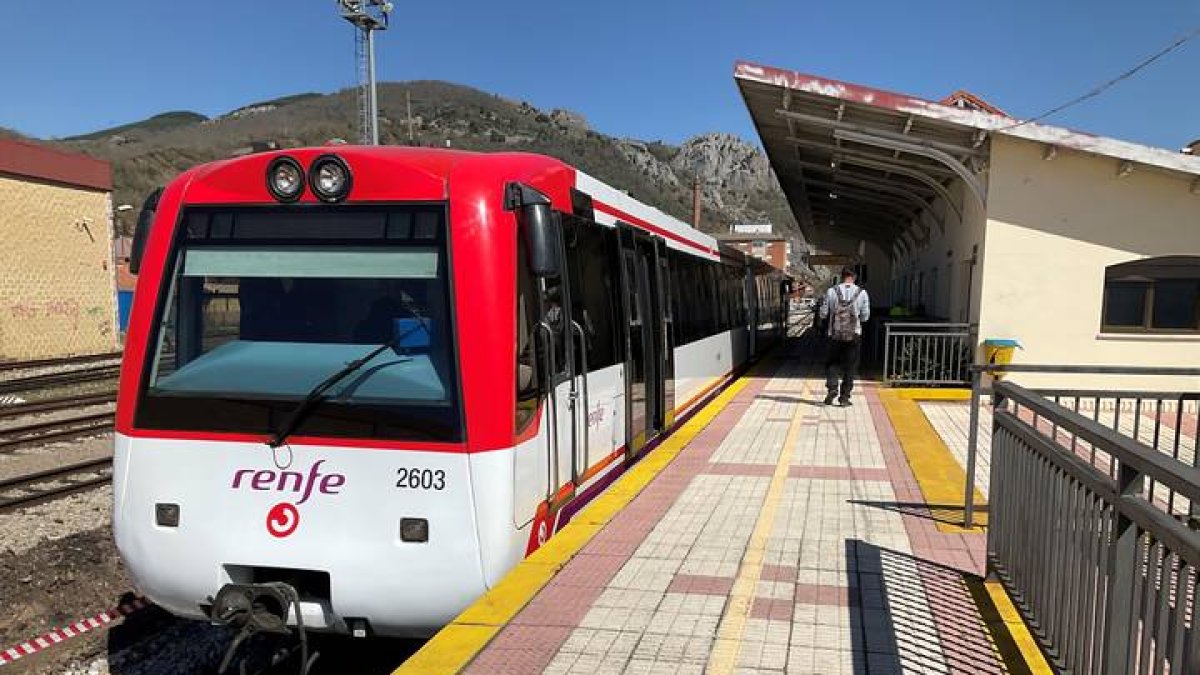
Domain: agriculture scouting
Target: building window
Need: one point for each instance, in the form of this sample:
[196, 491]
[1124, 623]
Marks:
[1156, 295]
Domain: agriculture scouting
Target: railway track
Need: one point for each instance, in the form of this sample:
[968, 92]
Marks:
[45, 485]
[21, 384]
[54, 430]
[52, 363]
[55, 405]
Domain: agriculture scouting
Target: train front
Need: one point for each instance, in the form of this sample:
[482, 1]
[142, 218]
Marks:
[290, 433]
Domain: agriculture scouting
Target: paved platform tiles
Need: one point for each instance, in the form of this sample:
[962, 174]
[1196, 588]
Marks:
[1164, 427]
[786, 537]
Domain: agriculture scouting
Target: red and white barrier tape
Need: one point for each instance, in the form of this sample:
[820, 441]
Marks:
[65, 633]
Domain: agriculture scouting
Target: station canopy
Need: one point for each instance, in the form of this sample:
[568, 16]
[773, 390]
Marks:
[863, 164]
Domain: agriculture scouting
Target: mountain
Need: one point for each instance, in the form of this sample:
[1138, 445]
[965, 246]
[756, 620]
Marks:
[735, 178]
[168, 120]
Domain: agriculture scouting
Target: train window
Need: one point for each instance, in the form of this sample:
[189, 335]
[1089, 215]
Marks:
[264, 304]
[591, 252]
[740, 292]
[721, 285]
[731, 295]
[631, 279]
[527, 367]
[711, 318]
[552, 316]
[665, 275]
[684, 297]
[696, 295]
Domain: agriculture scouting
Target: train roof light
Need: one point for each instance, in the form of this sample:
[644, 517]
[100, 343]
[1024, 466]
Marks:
[329, 178]
[285, 179]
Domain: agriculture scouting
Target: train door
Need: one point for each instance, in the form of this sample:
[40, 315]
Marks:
[751, 309]
[665, 339]
[647, 358]
[544, 305]
[557, 334]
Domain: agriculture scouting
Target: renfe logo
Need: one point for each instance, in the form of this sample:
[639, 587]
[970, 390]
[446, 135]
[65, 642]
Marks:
[266, 480]
[282, 520]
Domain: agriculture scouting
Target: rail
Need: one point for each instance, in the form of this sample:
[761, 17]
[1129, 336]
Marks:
[928, 353]
[49, 484]
[60, 379]
[62, 429]
[60, 361]
[1101, 565]
[55, 405]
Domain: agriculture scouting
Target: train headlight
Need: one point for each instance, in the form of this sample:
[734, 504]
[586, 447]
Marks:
[285, 179]
[329, 178]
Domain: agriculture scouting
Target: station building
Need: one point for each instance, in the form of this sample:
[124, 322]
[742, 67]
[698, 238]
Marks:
[1085, 249]
[56, 289]
[769, 248]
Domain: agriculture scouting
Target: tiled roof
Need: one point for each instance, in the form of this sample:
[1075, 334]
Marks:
[39, 162]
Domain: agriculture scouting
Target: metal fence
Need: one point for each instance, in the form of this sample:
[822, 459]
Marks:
[1164, 421]
[1085, 532]
[928, 353]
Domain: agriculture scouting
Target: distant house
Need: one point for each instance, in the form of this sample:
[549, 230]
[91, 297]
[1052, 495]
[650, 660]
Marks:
[254, 147]
[56, 292]
[751, 228]
[770, 248]
[968, 101]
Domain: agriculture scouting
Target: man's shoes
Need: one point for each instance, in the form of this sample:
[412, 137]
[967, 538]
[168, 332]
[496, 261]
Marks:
[829, 399]
[845, 402]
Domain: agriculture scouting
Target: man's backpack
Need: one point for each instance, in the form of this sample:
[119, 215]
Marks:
[843, 322]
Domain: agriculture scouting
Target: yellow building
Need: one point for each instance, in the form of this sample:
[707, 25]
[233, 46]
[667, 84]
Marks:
[56, 267]
[1085, 249]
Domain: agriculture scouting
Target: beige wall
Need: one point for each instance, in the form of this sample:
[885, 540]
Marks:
[56, 288]
[1053, 227]
[950, 284]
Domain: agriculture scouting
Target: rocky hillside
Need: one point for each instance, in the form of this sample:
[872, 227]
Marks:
[735, 178]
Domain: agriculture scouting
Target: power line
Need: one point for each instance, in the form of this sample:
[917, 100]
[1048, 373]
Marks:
[1100, 89]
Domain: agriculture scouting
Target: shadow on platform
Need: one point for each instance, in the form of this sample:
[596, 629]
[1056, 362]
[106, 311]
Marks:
[950, 514]
[909, 614]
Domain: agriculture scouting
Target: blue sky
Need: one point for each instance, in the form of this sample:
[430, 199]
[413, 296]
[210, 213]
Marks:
[653, 69]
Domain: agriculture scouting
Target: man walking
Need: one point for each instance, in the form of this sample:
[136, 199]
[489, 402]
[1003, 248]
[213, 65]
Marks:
[846, 307]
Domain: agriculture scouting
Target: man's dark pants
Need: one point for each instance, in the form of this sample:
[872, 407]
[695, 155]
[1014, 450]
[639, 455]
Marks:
[842, 357]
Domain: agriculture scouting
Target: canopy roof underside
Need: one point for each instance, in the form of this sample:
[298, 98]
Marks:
[867, 164]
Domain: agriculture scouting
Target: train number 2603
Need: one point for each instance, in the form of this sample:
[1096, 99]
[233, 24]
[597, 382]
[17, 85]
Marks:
[421, 479]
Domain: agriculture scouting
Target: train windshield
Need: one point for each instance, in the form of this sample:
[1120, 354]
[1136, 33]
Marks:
[261, 305]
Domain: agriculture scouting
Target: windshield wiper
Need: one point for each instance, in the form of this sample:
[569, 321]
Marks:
[318, 393]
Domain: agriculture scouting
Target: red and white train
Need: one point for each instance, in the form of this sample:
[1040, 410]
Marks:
[383, 376]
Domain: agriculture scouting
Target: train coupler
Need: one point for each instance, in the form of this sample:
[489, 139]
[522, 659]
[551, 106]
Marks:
[259, 608]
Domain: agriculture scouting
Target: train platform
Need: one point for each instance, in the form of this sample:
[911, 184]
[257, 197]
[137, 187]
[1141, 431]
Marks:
[770, 534]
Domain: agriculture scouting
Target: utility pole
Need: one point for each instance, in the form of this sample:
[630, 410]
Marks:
[696, 202]
[367, 16]
[408, 108]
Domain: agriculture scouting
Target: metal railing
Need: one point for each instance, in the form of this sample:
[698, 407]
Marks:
[1161, 420]
[928, 353]
[1102, 568]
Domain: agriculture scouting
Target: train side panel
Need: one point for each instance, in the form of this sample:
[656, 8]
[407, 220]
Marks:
[701, 364]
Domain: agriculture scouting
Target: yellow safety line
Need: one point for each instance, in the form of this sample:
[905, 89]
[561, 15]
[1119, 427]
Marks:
[456, 645]
[1006, 630]
[724, 656]
[939, 475]
[1031, 653]
[918, 394]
